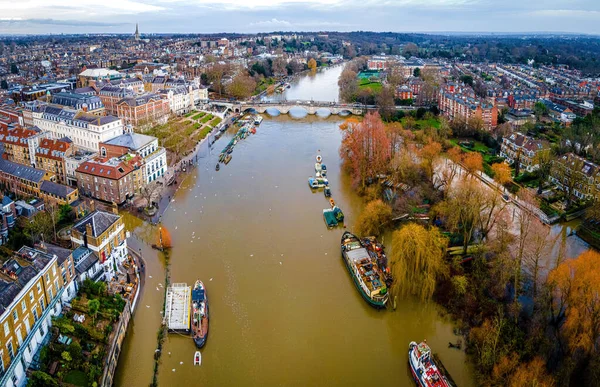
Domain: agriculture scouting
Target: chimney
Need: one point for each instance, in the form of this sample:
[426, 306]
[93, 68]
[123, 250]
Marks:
[115, 208]
[92, 206]
[88, 232]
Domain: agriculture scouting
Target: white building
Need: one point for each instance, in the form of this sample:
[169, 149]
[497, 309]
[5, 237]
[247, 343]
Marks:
[155, 157]
[30, 292]
[85, 130]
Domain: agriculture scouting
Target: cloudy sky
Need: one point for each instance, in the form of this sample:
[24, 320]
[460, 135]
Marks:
[209, 16]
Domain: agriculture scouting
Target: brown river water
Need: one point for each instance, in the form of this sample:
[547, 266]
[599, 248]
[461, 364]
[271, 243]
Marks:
[283, 308]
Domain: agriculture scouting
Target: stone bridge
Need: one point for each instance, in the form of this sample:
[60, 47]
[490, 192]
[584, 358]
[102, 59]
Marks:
[284, 107]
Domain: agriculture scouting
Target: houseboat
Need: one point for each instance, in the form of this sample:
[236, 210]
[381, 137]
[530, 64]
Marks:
[317, 182]
[423, 368]
[199, 314]
[364, 270]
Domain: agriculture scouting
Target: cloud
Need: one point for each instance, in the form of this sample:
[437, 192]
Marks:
[54, 22]
[273, 23]
[567, 13]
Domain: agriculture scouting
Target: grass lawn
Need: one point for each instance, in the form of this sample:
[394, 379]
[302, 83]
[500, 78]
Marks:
[206, 118]
[198, 116]
[76, 378]
[187, 115]
[216, 121]
[421, 124]
[366, 84]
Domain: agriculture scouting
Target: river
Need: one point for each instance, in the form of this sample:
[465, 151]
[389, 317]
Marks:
[283, 309]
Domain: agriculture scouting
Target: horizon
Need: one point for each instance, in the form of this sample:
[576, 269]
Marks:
[52, 17]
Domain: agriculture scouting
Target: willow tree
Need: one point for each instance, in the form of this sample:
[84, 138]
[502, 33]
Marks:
[417, 261]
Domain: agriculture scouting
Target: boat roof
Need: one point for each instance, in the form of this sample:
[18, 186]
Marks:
[198, 294]
[357, 255]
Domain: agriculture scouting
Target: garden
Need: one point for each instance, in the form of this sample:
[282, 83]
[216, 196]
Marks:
[79, 338]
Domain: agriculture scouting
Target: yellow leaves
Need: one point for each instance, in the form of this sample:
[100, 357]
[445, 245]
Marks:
[417, 260]
[502, 173]
[372, 219]
[473, 162]
[532, 374]
[349, 123]
[312, 64]
[576, 285]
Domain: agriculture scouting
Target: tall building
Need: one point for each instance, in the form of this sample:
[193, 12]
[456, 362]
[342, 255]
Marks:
[137, 32]
[31, 286]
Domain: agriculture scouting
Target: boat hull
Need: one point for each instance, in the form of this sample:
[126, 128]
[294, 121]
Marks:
[370, 301]
[413, 370]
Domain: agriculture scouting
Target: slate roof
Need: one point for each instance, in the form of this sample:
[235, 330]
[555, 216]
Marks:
[18, 271]
[21, 171]
[50, 187]
[99, 220]
[61, 253]
[133, 141]
[86, 258]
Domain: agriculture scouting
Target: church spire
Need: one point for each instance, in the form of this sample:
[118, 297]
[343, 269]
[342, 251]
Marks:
[137, 32]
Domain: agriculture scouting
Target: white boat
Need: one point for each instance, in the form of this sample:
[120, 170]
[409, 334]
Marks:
[318, 168]
[258, 120]
[197, 358]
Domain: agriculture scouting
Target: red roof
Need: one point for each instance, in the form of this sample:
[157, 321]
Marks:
[113, 169]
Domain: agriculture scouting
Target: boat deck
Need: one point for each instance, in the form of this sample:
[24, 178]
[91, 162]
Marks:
[177, 307]
[366, 267]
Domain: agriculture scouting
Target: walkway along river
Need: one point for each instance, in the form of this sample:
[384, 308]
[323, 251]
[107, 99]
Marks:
[284, 310]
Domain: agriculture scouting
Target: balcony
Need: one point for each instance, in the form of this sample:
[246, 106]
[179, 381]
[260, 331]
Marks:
[4, 376]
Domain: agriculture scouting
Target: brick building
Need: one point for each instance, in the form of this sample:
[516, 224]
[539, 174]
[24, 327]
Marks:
[143, 110]
[457, 106]
[112, 180]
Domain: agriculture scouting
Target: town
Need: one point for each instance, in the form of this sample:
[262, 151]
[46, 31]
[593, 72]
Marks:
[479, 138]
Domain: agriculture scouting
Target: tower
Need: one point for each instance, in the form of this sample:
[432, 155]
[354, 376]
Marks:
[137, 32]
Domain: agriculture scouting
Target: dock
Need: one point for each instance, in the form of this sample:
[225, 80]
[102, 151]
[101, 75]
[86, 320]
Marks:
[177, 307]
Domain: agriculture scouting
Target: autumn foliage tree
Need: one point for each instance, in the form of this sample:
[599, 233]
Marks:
[417, 260]
[242, 86]
[576, 286]
[473, 162]
[373, 218]
[365, 148]
[429, 154]
[502, 173]
[312, 64]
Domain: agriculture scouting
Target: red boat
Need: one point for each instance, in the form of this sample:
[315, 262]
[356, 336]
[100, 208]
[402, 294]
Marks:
[423, 369]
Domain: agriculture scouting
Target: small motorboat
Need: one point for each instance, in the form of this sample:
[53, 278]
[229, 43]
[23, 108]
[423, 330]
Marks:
[222, 157]
[217, 167]
[327, 192]
[332, 202]
[319, 159]
[227, 159]
[197, 358]
[323, 170]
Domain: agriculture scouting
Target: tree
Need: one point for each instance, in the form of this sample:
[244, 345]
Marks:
[39, 226]
[312, 64]
[449, 172]
[576, 285]
[569, 174]
[14, 69]
[502, 173]
[532, 374]
[348, 85]
[279, 66]
[539, 246]
[4, 84]
[148, 191]
[365, 149]
[417, 260]
[473, 162]
[373, 218]
[215, 75]
[93, 307]
[41, 379]
[385, 102]
[430, 153]
[416, 72]
[539, 109]
[411, 49]
[242, 86]
[543, 158]
[395, 75]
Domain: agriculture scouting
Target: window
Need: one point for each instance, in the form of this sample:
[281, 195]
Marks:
[10, 350]
[15, 315]
[39, 287]
[42, 304]
[23, 305]
[47, 277]
[6, 329]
